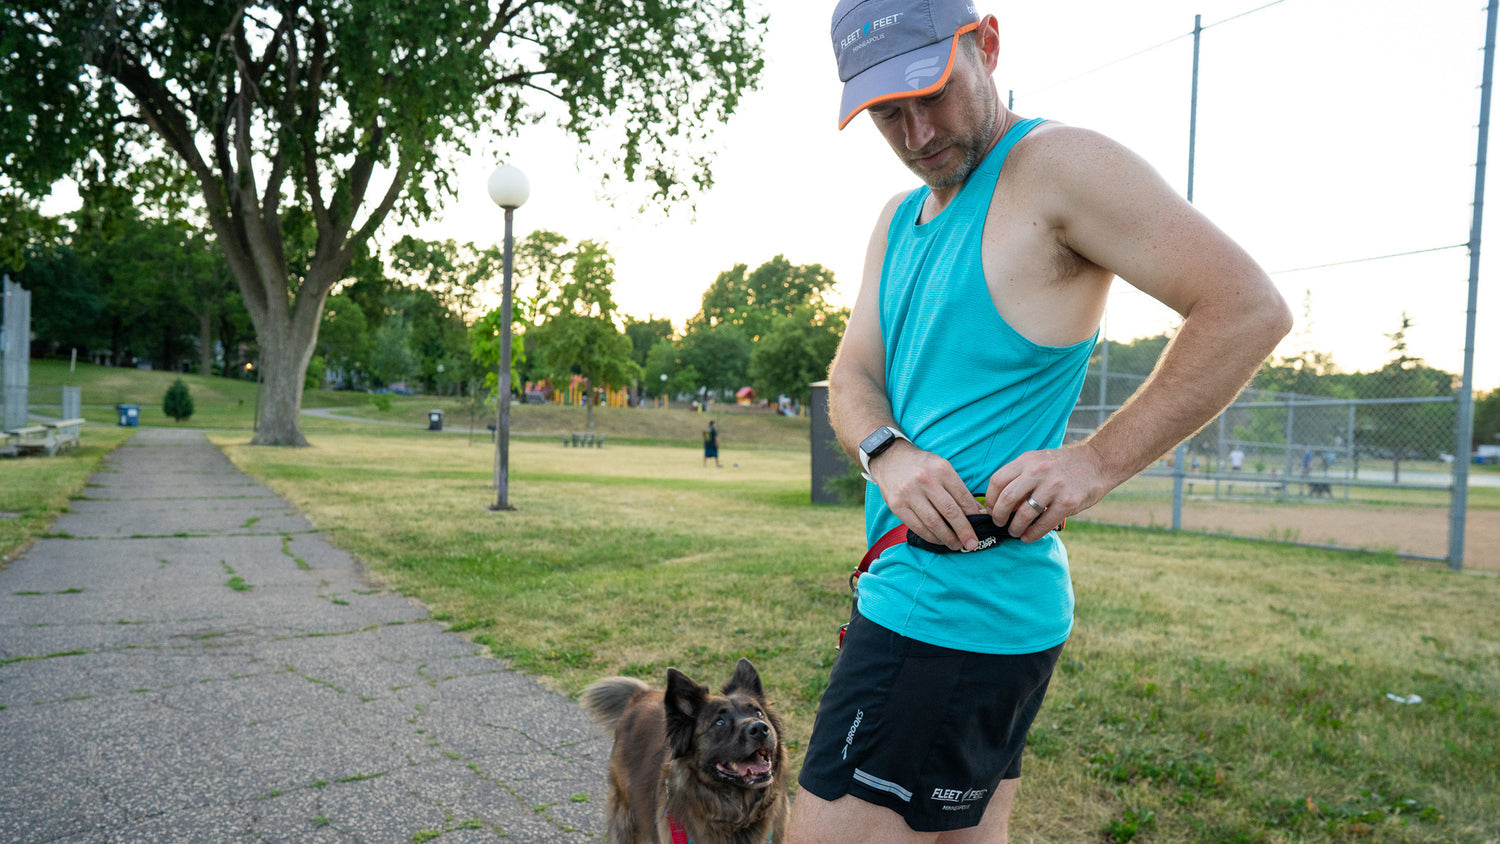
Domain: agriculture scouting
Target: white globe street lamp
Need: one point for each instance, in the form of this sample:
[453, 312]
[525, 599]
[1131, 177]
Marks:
[509, 188]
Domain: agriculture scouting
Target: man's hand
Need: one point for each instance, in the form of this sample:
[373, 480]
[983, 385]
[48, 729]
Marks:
[928, 497]
[1039, 489]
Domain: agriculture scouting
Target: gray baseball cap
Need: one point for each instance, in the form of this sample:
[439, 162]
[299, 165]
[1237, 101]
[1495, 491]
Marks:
[888, 49]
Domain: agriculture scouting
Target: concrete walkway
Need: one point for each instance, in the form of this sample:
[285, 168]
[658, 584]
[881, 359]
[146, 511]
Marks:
[185, 660]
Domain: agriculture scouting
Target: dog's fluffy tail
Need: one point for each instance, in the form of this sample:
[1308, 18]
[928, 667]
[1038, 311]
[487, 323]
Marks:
[605, 700]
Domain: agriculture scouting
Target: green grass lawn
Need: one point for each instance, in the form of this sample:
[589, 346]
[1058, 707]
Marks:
[1213, 690]
[222, 403]
[229, 404]
[35, 490]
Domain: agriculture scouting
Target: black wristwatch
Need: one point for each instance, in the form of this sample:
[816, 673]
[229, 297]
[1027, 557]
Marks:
[875, 444]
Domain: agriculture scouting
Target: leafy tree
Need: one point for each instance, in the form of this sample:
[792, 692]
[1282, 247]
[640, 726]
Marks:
[796, 351]
[540, 261]
[391, 356]
[719, 355]
[1402, 431]
[1308, 372]
[22, 225]
[578, 334]
[1487, 418]
[1134, 358]
[344, 339]
[442, 281]
[451, 272]
[645, 334]
[178, 402]
[67, 300]
[317, 368]
[666, 359]
[484, 349]
[236, 335]
[148, 271]
[213, 297]
[750, 301]
[303, 125]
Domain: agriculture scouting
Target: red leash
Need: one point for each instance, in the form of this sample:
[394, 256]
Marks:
[679, 835]
[894, 536]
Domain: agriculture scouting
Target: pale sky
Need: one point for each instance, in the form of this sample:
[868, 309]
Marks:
[1328, 131]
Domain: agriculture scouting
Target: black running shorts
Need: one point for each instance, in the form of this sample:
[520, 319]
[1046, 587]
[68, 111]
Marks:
[925, 731]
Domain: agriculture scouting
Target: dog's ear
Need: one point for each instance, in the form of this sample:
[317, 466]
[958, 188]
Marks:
[746, 679]
[684, 700]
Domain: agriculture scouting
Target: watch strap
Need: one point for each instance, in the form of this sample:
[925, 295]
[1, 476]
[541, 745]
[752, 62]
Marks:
[864, 458]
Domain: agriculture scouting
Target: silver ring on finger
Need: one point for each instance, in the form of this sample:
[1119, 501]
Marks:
[1036, 505]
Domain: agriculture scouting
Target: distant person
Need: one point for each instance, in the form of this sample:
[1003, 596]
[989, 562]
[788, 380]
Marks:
[711, 445]
[1236, 459]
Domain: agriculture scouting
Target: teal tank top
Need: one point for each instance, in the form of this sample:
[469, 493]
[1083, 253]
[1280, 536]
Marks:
[965, 385]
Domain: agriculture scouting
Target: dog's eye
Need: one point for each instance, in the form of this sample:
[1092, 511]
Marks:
[719, 723]
[759, 714]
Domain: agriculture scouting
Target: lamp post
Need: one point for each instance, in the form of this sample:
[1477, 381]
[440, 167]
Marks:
[509, 189]
[664, 389]
[256, 369]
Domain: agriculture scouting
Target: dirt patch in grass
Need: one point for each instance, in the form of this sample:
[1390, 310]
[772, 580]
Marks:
[1421, 531]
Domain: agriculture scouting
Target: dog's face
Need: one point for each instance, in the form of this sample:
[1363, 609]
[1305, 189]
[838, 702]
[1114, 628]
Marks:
[733, 738]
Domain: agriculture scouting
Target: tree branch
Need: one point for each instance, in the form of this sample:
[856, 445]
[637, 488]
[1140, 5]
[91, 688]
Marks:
[281, 160]
[307, 122]
[503, 16]
[269, 264]
[405, 166]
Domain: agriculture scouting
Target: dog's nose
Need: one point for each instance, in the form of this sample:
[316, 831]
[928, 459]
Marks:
[759, 730]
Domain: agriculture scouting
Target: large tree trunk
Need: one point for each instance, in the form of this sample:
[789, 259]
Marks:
[287, 338]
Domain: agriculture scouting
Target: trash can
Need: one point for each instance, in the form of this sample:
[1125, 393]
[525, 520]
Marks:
[434, 420]
[130, 415]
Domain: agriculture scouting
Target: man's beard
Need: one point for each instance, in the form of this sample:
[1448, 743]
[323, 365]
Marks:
[973, 147]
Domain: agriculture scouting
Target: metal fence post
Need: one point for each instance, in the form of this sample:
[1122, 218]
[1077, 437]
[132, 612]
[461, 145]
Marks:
[1464, 433]
[1291, 441]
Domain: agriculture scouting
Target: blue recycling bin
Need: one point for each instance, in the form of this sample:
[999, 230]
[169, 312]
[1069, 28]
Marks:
[130, 415]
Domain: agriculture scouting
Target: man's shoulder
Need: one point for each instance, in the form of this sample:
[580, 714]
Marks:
[1074, 165]
[1051, 146]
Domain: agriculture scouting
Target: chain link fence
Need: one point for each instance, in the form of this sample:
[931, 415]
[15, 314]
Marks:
[28, 405]
[1371, 474]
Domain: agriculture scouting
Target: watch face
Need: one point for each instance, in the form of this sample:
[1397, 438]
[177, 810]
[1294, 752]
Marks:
[877, 442]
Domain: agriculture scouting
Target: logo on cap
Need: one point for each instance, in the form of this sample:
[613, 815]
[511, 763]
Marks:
[918, 72]
[870, 27]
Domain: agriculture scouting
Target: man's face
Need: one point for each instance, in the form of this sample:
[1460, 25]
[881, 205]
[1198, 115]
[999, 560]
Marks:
[942, 137]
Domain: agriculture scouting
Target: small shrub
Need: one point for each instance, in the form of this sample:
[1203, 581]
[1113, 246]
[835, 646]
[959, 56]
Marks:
[178, 402]
[850, 486]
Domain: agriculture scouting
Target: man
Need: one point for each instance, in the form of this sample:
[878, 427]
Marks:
[711, 445]
[964, 354]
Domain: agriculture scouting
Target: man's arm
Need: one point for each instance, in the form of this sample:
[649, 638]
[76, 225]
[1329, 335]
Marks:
[921, 488]
[1114, 210]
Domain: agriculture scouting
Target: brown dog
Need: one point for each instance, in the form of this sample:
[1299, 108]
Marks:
[691, 766]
